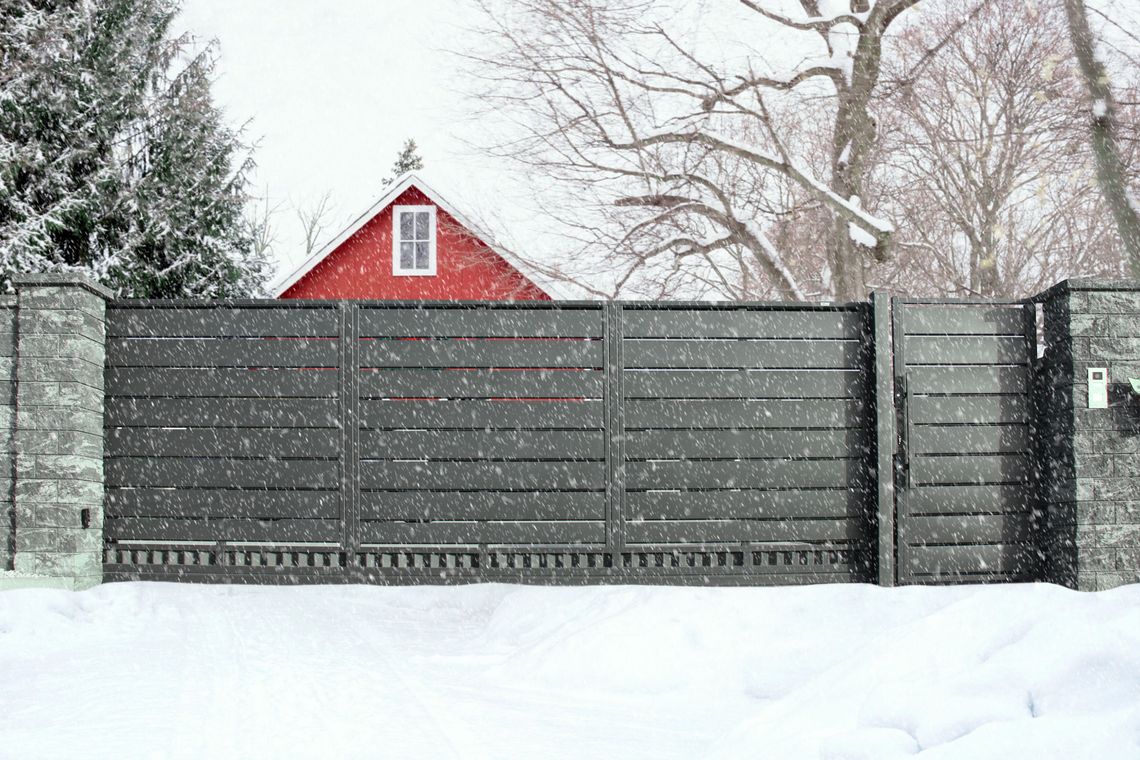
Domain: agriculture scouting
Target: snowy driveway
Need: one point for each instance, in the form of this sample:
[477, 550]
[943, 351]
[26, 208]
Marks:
[163, 670]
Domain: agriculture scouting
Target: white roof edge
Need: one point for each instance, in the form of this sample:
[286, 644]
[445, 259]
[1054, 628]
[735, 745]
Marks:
[397, 188]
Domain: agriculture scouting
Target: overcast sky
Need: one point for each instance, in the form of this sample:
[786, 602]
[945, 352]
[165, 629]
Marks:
[333, 89]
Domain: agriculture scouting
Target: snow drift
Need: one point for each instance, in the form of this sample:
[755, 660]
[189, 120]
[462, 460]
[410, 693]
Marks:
[843, 672]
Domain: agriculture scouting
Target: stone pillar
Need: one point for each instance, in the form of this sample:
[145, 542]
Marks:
[7, 428]
[60, 335]
[1091, 457]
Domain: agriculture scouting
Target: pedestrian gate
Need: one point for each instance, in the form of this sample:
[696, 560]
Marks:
[965, 474]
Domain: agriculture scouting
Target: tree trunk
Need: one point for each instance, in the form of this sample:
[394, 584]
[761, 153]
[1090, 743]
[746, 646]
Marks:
[1110, 168]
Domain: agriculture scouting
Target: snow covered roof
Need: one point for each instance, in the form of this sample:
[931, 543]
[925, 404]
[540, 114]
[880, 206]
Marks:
[391, 193]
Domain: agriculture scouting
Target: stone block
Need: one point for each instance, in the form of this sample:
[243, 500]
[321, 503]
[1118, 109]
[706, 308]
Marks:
[63, 322]
[30, 490]
[57, 516]
[1126, 466]
[1092, 466]
[24, 562]
[1106, 302]
[1096, 560]
[1105, 325]
[1114, 348]
[73, 564]
[61, 299]
[1105, 442]
[1128, 559]
[38, 540]
[1095, 512]
[1118, 489]
[68, 467]
[57, 418]
[62, 370]
[83, 493]
[1117, 536]
[78, 347]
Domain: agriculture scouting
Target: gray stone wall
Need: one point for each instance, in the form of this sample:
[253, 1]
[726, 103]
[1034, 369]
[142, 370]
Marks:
[7, 425]
[1090, 458]
[58, 492]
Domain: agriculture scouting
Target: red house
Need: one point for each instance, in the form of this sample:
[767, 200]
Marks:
[410, 245]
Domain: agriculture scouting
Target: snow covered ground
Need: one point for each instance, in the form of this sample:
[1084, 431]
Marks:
[492, 671]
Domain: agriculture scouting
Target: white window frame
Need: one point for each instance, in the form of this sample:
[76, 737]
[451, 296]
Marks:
[399, 271]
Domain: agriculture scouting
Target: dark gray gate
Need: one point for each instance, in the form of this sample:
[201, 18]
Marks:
[411, 441]
[749, 427]
[965, 478]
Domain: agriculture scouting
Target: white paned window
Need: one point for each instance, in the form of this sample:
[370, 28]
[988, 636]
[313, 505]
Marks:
[413, 240]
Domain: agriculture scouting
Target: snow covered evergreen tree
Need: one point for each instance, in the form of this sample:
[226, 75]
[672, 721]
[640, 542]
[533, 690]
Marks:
[114, 161]
[409, 160]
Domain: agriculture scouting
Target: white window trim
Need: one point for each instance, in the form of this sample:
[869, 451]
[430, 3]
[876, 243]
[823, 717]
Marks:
[397, 270]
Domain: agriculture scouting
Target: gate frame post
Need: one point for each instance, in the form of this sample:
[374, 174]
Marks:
[350, 436]
[614, 417]
[885, 436]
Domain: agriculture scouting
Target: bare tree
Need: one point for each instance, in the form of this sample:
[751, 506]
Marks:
[983, 161]
[314, 221]
[262, 226]
[1105, 130]
[674, 148]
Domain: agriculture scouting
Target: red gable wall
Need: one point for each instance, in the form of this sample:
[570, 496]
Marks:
[466, 268]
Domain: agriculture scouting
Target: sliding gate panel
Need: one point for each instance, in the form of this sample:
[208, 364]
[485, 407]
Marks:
[223, 441]
[963, 376]
[480, 427]
[749, 428]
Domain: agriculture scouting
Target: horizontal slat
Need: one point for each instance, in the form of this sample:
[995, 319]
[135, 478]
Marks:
[156, 472]
[222, 321]
[771, 354]
[481, 322]
[950, 350]
[765, 473]
[482, 475]
[680, 444]
[824, 413]
[979, 410]
[482, 505]
[222, 412]
[500, 415]
[968, 319]
[740, 323]
[651, 505]
[947, 561]
[272, 531]
[969, 439]
[982, 469]
[226, 383]
[968, 380]
[735, 383]
[478, 444]
[471, 533]
[223, 352]
[964, 499]
[156, 502]
[480, 353]
[221, 442]
[736, 531]
[474, 383]
[962, 529]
